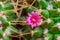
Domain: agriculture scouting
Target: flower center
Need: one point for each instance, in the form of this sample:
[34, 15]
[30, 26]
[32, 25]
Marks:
[33, 19]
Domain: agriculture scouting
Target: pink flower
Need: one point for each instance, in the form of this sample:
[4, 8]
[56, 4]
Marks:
[33, 19]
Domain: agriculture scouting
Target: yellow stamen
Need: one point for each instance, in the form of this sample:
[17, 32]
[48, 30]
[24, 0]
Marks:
[33, 19]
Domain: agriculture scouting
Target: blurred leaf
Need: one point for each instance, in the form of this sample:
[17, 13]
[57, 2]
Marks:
[1, 33]
[8, 6]
[45, 13]
[54, 30]
[50, 36]
[1, 8]
[33, 38]
[13, 29]
[44, 4]
[56, 20]
[37, 4]
[51, 24]
[27, 28]
[29, 9]
[11, 15]
[54, 5]
[54, 13]
[6, 38]
[37, 32]
[58, 4]
[4, 23]
[56, 36]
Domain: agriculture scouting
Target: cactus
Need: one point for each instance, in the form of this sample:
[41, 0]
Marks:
[30, 19]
